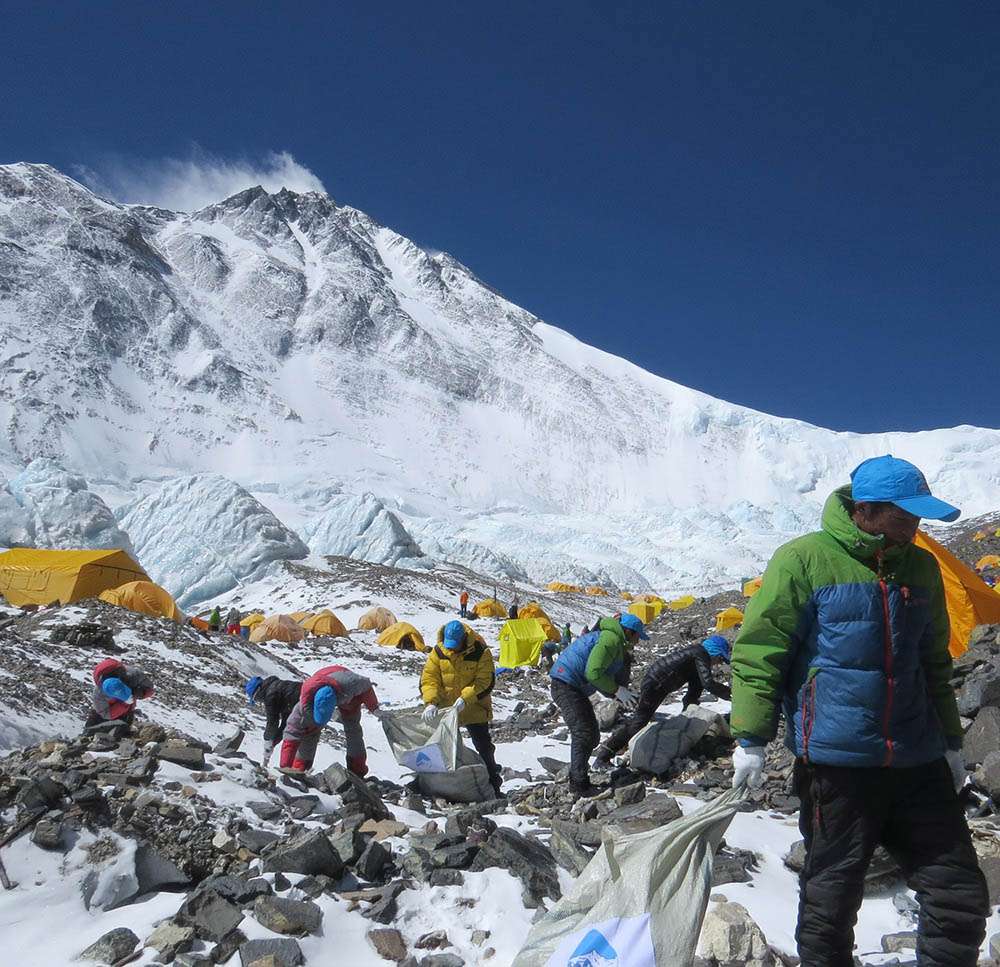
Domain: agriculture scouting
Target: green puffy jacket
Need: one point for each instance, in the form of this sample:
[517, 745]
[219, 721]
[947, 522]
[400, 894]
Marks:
[850, 638]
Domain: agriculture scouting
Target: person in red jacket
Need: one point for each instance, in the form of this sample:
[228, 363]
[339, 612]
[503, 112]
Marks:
[116, 689]
[332, 689]
[463, 604]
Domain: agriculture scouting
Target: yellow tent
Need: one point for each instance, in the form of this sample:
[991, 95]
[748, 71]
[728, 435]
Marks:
[990, 560]
[490, 608]
[979, 536]
[279, 627]
[679, 604]
[534, 610]
[596, 591]
[146, 598]
[521, 642]
[254, 619]
[403, 636]
[752, 587]
[651, 599]
[970, 600]
[377, 619]
[729, 618]
[563, 586]
[31, 576]
[298, 616]
[644, 611]
[627, 596]
[325, 623]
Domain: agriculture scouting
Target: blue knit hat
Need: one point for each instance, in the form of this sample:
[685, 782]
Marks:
[251, 688]
[717, 647]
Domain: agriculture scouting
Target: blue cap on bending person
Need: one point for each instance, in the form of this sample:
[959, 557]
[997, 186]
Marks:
[632, 623]
[717, 647]
[251, 688]
[454, 635]
[888, 479]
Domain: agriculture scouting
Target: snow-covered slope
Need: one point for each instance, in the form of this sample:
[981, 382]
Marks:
[294, 344]
[203, 535]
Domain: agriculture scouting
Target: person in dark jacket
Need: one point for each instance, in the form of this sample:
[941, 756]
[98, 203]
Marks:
[233, 619]
[512, 610]
[690, 666]
[117, 687]
[280, 696]
[848, 636]
[596, 662]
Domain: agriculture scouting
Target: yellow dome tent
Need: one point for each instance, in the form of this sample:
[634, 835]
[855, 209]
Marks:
[534, 610]
[563, 587]
[146, 598]
[327, 624]
[990, 560]
[32, 576]
[627, 596]
[299, 616]
[643, 610]
[679, 604]
[979, 536]
[279, 627]
[377, 619]
[752, 587]
[596, 591]
[252, 620]
[970, 600]
[729, 618]
[404, 636]
[490, 608]
[521, 642]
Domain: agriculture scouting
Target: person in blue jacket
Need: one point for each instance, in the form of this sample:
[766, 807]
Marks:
[595, 662]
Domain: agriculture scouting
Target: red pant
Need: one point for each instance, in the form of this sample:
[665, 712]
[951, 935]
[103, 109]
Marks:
[291, 751]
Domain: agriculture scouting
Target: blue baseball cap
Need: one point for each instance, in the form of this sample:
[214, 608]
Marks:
[898, 482]
[631, 622]
[454, 635]
[717, 647]
[251, 688]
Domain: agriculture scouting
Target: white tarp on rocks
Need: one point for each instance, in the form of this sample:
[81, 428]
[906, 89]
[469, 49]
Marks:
[640, 901]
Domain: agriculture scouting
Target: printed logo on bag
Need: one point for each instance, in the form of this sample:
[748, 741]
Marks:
[426, 758]
[594, 951]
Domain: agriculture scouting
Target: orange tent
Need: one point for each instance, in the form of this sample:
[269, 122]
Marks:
[144, 597]
[279, 627]
[325, 624]
[534, 610]
[970, 600]
[990, 560]
[752, 587]
[377, 619]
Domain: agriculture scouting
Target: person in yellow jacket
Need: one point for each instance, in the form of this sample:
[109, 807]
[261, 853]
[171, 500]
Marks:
[459, 672]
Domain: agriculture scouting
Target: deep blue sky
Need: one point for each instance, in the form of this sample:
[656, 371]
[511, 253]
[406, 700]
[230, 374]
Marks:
[791, 205]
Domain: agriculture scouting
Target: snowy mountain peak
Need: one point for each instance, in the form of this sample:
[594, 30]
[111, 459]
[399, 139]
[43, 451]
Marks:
[293, 344]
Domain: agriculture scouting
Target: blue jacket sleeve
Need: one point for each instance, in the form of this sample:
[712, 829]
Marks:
[117, 689]
[324, 704]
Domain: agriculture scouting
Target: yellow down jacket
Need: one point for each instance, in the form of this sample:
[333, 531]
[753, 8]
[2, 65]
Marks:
[466, 672]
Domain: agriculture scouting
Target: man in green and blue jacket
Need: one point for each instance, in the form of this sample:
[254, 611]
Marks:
[848, 636]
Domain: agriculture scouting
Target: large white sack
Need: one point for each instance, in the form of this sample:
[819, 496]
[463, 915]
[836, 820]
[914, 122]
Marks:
[640, 901]
[444, 767]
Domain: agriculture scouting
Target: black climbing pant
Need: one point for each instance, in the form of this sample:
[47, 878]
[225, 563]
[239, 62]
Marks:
[915, 814]
[482, 742]
[578, 714]
[650, 699]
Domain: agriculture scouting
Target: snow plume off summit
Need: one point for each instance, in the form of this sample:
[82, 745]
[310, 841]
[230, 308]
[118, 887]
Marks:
[322, 361]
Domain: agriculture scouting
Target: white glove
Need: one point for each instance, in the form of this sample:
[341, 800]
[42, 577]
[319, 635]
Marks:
[430, 713]
[626, 697]
[956, 762]
[459, 704]
[748, 766]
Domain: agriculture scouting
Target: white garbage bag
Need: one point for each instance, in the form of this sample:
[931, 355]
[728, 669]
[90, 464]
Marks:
[640, 901]
[444, 767]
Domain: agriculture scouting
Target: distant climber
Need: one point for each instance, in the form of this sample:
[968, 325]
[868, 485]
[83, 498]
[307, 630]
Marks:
[848, 636]
[463, 604]
[566, 638]
[233, 619]
[459, 672]
[279, 697]
[512, 610]
[691, 666]
[116, 690]
[331, 689]
[215, 619]
[596, 662]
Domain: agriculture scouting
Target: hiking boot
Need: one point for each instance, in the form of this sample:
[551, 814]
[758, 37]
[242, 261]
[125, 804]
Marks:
[602, 762]
[291, 771]
[584, 790]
